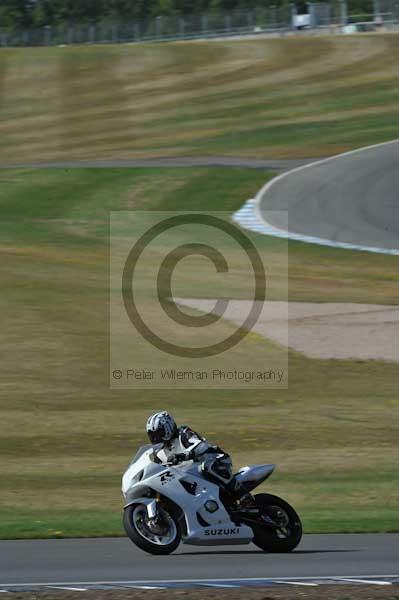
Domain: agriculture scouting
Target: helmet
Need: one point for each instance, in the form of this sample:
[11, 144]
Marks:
[161, 427]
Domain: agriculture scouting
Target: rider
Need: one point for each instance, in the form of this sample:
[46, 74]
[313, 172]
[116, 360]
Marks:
[182, 443]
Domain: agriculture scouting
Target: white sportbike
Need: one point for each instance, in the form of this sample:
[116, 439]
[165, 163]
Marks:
[167, 504]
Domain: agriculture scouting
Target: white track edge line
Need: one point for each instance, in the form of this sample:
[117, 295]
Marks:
[283, 582]
[269, 229]
[216, 580]
[72, 588]
[371, 581]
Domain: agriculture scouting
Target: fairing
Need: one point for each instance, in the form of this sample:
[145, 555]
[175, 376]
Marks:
[252, 475]
[203, 527]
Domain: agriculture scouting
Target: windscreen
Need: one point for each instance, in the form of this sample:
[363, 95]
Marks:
[140, 452]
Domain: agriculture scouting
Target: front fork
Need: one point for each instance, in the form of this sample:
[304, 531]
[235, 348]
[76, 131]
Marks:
[151, 505]
[152, 509]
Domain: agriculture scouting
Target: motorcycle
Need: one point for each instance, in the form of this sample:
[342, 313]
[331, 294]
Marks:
[167, 504]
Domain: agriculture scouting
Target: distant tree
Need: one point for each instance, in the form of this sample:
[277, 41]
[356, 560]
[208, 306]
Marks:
[14, 14]
[40, 14]
[164, 7]
[20, 14]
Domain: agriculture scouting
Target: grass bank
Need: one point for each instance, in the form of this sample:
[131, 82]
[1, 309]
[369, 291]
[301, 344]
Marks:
[295, 97]
[65, 437]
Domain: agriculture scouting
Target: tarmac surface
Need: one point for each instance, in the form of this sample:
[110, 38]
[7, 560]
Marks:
[350, 198]
[117, 559]
[190, 161]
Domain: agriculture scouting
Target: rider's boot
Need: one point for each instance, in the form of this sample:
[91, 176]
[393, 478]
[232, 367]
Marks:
[240, 493]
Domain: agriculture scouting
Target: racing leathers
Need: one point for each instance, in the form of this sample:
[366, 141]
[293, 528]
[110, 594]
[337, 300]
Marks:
[216, 465]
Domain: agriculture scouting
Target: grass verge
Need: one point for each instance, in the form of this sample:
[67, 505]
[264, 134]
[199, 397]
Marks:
[65, 436]
[293, 97]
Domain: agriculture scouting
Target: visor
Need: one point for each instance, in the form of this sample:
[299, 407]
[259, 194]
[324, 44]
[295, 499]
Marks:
[156, 437]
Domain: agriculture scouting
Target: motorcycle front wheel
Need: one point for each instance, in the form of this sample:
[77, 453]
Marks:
[289, 532]
[155, 536]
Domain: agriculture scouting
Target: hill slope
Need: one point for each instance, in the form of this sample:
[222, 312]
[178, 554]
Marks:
[302, 96]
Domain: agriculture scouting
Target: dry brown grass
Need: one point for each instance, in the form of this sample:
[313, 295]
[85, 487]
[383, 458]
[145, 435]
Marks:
[65, 437]
[189, 98]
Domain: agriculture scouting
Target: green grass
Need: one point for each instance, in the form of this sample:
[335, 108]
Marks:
[61, 523]
[65, 437]
[300, 96]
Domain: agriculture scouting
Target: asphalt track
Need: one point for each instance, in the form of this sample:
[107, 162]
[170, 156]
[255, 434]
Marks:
[117, 559]
[351, 198]
[189, 161]
[348, 200]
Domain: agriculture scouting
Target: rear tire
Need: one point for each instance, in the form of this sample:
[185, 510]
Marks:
[152, 540]
[288, 536]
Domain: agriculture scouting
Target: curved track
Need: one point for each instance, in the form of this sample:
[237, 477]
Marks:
[349, 199]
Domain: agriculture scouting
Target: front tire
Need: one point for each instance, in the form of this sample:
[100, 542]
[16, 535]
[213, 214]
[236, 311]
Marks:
[155, 538]
[289, 534]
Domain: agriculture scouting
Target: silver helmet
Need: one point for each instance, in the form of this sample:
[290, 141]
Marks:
[161, 427]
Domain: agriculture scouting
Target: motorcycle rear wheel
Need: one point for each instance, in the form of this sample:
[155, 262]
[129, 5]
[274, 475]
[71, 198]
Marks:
[163, 538]
[288, 536]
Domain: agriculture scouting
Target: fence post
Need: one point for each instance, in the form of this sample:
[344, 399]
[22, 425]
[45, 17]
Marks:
[227, 22]
[377, 10]
[312, 15]
[273, 16]
[47, 35]
[70, 35]
[136, 32]
[182, 27]
[250, 19]
[293, 14]
[204, 24]
[114, 33]
[344, 13]
[158, 27]
[92, 34]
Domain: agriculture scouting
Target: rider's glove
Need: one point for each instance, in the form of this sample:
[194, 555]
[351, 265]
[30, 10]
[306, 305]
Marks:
[177, 458]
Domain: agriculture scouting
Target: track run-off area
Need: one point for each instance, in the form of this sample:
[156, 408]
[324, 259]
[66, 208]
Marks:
[104, 563]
